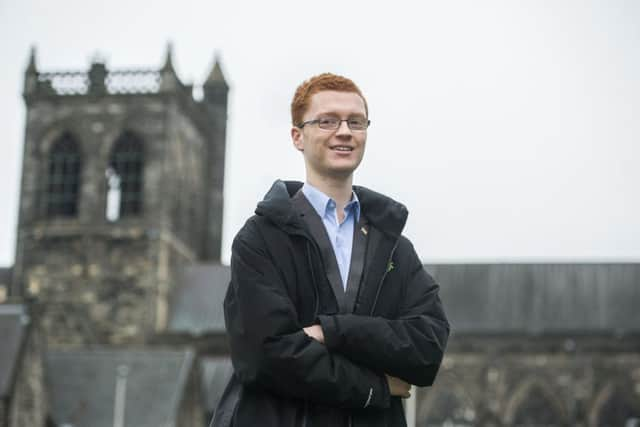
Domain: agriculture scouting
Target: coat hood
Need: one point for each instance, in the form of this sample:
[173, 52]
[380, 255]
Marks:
[384, 213]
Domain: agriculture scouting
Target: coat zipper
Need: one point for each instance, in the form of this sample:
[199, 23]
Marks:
[313, 279]
[305, 414]
[375, 301]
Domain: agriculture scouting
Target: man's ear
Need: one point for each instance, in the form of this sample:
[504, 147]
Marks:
[296, 137]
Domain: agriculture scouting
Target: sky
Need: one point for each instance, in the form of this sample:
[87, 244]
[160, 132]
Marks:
[506, 127]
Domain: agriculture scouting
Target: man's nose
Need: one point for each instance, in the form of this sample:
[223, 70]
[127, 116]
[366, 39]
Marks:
[343, 129]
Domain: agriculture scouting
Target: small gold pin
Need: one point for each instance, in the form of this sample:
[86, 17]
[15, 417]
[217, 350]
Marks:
[364, 231]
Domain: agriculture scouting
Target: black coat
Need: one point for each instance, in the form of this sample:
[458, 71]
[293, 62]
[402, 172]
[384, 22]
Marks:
[278, 285]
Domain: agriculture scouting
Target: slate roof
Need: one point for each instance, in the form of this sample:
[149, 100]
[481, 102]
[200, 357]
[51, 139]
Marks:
[479, 298]
[196, 303]
[540, 298]
[82, 386]
[13, 331]
[216, 372]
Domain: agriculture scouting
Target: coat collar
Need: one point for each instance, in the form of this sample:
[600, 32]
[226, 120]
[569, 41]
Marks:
[381, 211]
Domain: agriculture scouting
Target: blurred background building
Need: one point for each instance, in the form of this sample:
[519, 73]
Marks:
[112, 313]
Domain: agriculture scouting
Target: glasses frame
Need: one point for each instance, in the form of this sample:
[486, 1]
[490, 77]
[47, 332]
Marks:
[314, 121]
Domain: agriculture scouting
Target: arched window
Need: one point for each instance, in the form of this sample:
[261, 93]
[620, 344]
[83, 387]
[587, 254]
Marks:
[64, 178]
[537, 410]
[619, 409]
[125, 177]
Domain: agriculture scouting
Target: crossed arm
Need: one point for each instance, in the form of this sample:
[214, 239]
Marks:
[397, 387]
[328, 363]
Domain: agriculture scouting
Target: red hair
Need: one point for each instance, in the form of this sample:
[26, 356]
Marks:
[319, 83]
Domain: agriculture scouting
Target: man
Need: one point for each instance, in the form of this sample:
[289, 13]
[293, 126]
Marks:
[330, 314]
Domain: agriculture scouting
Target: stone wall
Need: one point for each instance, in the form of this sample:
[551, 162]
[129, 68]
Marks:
[584, 381]
[97, 280]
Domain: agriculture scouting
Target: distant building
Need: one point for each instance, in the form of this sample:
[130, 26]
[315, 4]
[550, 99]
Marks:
[122, 187]
[538, 345]
[112, 314]
[121, 203]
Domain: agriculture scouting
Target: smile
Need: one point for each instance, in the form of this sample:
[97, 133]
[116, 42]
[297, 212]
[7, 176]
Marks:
[342, 148]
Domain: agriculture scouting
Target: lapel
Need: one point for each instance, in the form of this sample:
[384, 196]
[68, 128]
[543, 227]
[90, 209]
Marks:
[286, 205]
[358, 253]
[369, 258]
[319, 234]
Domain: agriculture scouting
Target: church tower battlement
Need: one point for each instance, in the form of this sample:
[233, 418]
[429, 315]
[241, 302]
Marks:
[122, 186]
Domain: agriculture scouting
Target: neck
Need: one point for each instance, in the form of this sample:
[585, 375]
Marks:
[339, 189]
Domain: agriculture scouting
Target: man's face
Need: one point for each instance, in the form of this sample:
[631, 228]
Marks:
[333, 154]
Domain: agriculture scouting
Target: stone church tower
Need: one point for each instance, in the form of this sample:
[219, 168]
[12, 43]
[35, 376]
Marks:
[122, 186]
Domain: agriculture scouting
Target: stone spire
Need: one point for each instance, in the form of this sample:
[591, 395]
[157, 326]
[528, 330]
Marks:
[31, 76]
[216, 77]
[168, 60]
[31, 67]
[169, 79]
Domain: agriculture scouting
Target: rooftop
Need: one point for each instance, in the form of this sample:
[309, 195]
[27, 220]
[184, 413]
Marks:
[196, 304]
[540, 298]
[478, 298]
[91, 388]
[13, 329]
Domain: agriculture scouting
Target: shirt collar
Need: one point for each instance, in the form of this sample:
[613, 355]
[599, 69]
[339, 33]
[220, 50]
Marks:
[321, 202]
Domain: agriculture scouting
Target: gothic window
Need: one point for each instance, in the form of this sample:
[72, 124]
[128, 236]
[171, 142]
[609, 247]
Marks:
[536, 410]
[124, 177]
[619, 410]
[64, 178]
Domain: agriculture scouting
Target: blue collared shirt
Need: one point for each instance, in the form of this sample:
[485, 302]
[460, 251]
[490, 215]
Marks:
[340, 234]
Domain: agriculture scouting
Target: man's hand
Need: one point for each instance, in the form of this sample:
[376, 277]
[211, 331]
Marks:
[315, 332]
[398, 387]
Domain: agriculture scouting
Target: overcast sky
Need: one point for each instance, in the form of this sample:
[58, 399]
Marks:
[506, 127]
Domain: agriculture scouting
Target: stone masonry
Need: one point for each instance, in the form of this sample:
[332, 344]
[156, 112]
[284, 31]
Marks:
[99, 281]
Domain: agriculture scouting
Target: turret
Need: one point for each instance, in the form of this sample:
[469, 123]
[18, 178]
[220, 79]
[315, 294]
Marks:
[31, 77]
[169, 79]
[215, 90]
[121, 188]
[98, 76]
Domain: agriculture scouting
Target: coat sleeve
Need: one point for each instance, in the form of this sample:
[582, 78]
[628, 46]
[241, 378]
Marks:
[269, 349]
[410, 346]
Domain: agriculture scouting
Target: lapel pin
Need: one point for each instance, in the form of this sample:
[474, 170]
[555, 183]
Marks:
[364, 231]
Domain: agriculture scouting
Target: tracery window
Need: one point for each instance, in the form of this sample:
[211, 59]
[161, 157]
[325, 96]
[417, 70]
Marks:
[619, 410]
[125, 176]
[537, 410]
[63, 182]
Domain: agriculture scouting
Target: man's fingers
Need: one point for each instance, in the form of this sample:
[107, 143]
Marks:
[398, 387]
[309, 331]
[407, 389]
[315, 332]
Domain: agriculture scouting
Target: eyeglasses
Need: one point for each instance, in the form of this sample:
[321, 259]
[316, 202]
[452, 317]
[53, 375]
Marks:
[333, 123]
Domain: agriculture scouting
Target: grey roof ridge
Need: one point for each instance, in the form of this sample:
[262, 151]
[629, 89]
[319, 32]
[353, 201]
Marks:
[106, 349]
